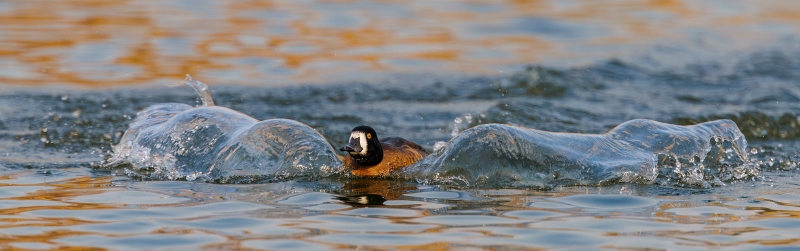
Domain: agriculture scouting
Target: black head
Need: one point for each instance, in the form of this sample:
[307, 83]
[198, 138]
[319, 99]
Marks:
[364, 146]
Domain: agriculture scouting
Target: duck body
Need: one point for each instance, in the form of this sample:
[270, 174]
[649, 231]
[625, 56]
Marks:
[370, 157]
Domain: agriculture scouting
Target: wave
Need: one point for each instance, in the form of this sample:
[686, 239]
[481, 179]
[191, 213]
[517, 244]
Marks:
[176, 141]
[638, 151]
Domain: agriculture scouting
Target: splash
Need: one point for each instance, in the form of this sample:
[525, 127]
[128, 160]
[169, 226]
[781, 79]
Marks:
[201, 89]
[461, 123]
[638, 151]
[178, 142]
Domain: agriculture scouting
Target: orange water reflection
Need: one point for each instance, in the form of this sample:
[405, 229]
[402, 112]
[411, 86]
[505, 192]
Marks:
[111, 43]
[84, 213]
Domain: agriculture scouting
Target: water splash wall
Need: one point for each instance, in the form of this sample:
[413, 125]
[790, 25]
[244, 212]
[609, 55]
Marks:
[175, 141]
[638, 151]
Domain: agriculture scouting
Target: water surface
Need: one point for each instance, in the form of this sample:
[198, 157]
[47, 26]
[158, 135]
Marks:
[425, 71]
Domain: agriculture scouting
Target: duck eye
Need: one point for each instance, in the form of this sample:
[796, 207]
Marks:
[369, 135]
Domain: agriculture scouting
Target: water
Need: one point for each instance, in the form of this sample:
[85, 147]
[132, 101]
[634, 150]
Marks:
[555, 66]
[637, 151]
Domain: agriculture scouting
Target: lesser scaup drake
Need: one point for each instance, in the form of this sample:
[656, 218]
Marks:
[368, 156]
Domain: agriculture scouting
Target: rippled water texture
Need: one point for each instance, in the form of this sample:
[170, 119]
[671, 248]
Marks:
[74, 75]
[91, 43]
[71, 210]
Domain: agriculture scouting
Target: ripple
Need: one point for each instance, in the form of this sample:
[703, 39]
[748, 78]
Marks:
[16, 191]
[327, 207]
[783, 198]
[607, 201]
[711, 210]
[780, 223]
[549, 205]
[664, 243]
[239, 226]
[203, 210]
[150, 241]
[762, 204]
[533, 214]
[765, 238]
[7, 204]
[420, 204]
[394, 239]
[765, 247]
[123, 228]
[386, 212]
[283, 245]
[437, 195]
[466, 220]
[361, 224]
[307, 199]
[129, 198]
[33, 246]
[534, 238]
[46, 176]
[25, 231]
[164, 185]
[612, 225]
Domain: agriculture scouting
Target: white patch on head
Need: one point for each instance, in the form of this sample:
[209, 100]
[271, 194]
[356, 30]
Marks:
[362, 141]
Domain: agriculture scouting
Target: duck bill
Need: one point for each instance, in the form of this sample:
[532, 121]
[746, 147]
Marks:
[353, 146]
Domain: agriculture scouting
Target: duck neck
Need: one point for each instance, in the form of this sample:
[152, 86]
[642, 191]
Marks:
[373, 157]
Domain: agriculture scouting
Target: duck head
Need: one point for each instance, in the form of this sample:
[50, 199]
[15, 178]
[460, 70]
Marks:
[364, 147]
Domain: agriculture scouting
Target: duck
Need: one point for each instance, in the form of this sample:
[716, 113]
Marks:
[368, 156]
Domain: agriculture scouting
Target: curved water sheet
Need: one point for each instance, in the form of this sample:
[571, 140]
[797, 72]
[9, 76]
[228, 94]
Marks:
[213, 143]
[637, 151]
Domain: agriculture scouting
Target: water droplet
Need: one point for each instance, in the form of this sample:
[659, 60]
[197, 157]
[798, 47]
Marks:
[439, 145]
[753, 151]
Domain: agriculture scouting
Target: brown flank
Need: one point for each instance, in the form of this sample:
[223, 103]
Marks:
[397, 153]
